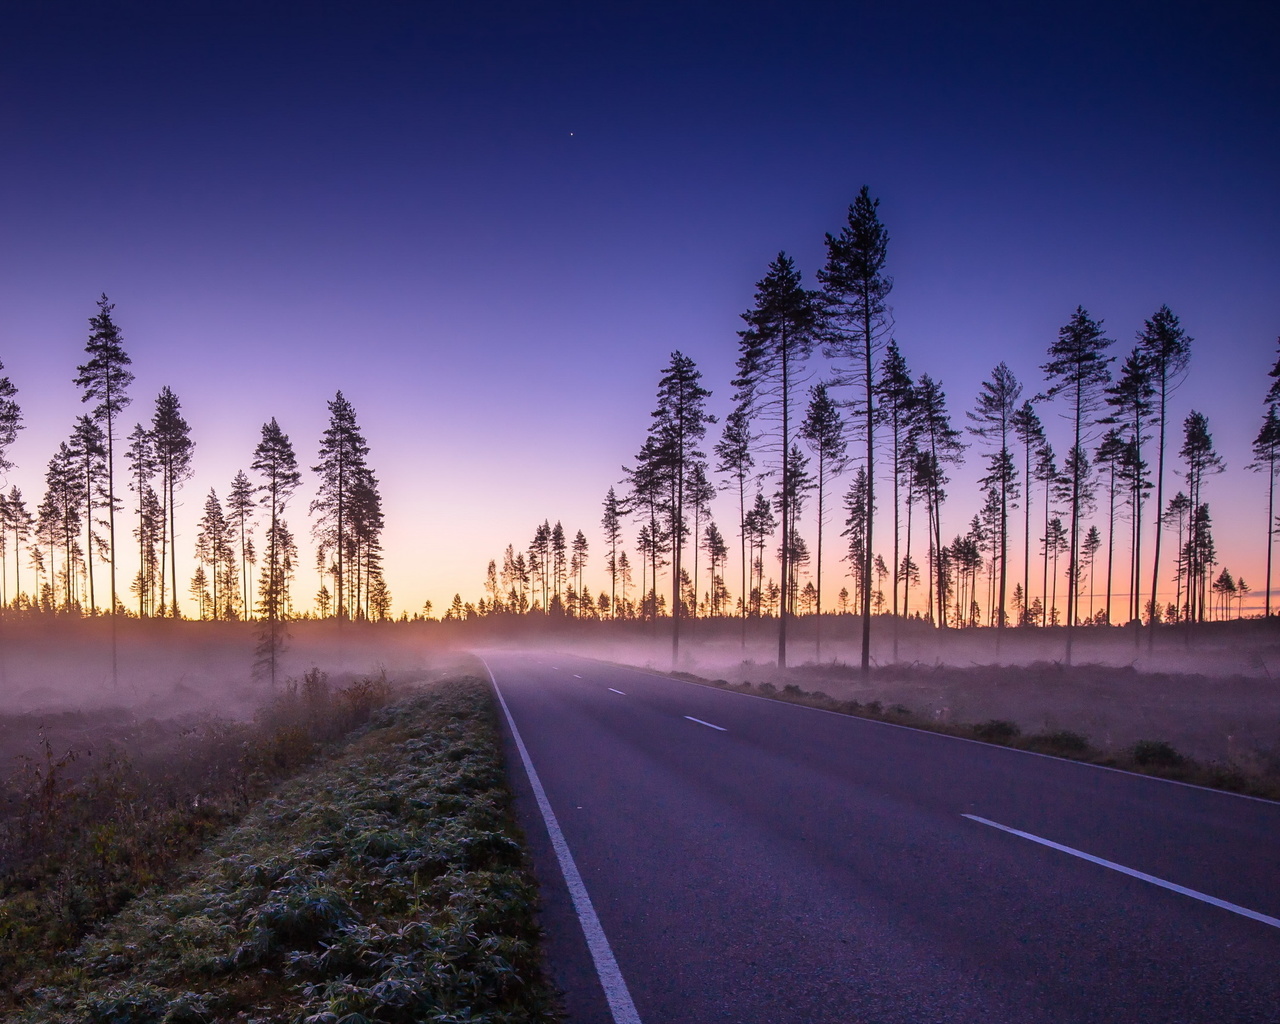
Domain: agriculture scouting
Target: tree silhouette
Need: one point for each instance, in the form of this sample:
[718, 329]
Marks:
[1167, 348]
[173, 448]
[559, 566]
[10, 420]
[1266, 458]
[823, 431]
[341, 467]
[701, 494]
[717, 551]
[857, 512]
[734, 454]
[1112, 455]
[578, 560]
[994, 423]
[1030, 434]
[1077, 368]
[1201, 459]
[105, 379]
[854, 287]
[89, 455]
[240, 505]
[18, 521]
[679, 423]
[1130, 399]
[938, 445]
[896, 392]
[780, 336]
[1089, 553]
[611, 523]
[276, 464]
[213, 548]
[143, 466]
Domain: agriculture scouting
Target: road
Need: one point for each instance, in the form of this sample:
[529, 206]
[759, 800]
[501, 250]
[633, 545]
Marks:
[753, 861]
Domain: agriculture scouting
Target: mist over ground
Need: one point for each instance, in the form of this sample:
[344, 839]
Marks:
[1213, 691]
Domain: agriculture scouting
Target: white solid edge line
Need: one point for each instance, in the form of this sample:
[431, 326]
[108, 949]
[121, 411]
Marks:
[1173, 887]
[707, 724]
[948, 736]
[611, 980]
[616, 691]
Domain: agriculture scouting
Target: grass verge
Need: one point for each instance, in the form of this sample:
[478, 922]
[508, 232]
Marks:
[1146, 757]
[385, 885]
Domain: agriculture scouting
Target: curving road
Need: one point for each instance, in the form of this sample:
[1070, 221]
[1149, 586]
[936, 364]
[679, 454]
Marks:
[745, 860]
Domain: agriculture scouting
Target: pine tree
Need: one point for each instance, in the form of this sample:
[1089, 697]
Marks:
[105, 379]
[823, 431]
[173, 449]
[559, 566]
[1266, 458]
[275, 462]
[855, 288]
[19, 522]
[679, 423]
[1030, 433]
[1167, 349]
[578, 560]
[1078, 369]
[342, 460]
[896, 392]
[611, 523]
[1201, 459]
[89, 454]
[1130, 398]
[10, 420]
[994, 418]
[240, 505]
[938, 444]
[213, 548]
[857, 513]
[1112, 455]
[717, 551]
[734, 454]
[701, 494]
[143, 466]
[1089, 553]
[780, 336]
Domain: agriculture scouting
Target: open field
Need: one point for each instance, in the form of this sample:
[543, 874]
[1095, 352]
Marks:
[1213, 692]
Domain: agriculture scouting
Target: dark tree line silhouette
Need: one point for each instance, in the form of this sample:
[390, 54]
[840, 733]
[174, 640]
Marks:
[74, 552]
[796, 426]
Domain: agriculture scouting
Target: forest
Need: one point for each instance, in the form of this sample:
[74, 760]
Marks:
[853, 449]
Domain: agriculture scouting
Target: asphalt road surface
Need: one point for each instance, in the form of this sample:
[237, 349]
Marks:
[737, 859]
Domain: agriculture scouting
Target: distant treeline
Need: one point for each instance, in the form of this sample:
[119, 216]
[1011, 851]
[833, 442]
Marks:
[73, 545]
[795, 430]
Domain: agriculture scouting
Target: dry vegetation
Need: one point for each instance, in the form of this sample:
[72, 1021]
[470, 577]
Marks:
[1212, 693]
[345, 853]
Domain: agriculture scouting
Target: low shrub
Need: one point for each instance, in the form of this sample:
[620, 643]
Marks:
[1061, 742]
[996, 730]
[1157, 754]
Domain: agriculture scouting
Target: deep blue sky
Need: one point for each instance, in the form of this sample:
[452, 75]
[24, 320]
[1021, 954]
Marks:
[490, 224]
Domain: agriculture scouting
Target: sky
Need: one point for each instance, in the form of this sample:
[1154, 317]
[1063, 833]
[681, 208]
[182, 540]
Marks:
[490, 224]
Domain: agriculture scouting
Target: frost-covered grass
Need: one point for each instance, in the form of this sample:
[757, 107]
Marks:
[84, 831]
[384, 885]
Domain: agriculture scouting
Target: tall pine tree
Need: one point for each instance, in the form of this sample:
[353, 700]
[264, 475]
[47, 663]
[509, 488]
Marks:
[105, 379]
[1078, 370]
[857, 320]
[342, 463]
[782, 329]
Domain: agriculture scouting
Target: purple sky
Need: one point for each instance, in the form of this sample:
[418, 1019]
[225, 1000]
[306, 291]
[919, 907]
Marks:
[490, 224]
